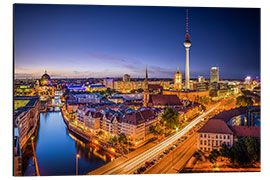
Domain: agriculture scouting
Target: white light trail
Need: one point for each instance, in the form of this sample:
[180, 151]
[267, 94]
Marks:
[154, 151]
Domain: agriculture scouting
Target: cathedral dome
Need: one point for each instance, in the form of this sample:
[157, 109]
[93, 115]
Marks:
[45, 79]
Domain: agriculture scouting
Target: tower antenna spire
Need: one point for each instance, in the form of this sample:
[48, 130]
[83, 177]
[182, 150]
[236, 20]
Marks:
[187, 20]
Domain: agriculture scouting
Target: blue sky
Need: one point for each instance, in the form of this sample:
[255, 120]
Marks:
[101, 41]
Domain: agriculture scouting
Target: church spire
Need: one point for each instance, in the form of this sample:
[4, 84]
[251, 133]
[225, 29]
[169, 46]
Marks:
[146, 79]
[178, 69]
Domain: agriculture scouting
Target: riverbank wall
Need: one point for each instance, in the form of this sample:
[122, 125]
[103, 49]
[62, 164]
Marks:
[97, 142]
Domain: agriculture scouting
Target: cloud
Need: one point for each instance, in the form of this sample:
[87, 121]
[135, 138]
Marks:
[23, 75]
[107, 58]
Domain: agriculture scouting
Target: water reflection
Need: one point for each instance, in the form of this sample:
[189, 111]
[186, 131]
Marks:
[56, 150]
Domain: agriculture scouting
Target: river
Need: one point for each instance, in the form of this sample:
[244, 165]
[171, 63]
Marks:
[56, 150]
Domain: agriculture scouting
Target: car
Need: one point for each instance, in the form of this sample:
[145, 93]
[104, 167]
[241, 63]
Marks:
[165, 152]
[143, 168]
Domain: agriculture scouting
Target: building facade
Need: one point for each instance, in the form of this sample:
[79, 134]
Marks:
[214, 75]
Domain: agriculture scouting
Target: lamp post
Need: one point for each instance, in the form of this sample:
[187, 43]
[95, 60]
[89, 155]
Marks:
[77, 157]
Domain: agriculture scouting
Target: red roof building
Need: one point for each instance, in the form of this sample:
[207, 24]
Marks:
[215, 126]
[245, 131]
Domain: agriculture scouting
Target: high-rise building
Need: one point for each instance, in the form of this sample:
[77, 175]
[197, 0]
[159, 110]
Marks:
[126, 77]
[178, 80]
[248, 80]
[187, 44]
[201, 79]
[214, 74]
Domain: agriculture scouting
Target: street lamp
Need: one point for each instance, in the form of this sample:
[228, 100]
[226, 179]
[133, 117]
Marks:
[77, 157]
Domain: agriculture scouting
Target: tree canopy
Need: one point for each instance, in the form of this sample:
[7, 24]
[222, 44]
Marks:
[169, 118]
[244, 101]
[245, 151]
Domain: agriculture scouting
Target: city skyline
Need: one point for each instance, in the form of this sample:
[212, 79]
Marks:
[101, 41]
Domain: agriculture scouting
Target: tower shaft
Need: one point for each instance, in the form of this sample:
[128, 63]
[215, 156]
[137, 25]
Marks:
[187, 69]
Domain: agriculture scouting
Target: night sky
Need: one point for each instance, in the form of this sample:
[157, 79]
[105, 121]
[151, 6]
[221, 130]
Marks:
[109, 41]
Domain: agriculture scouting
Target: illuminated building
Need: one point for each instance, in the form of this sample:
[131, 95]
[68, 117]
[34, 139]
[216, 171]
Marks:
[109, 83]
[187, 44]
[45, 79]
[178, 80]
[114, 121]
[188, 95]
[201, 86]
[121, 98]
[214, 75]
[76, 87]
[248, 80]
[126, 77]
[213, 134]
[227, 126]
[26, 116]
[17, 160]
[201, 79]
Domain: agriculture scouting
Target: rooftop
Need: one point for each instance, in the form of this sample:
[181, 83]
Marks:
[167, 100]
[215, 126]
[245, 131]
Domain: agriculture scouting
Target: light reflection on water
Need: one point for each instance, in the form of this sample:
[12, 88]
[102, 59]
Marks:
[56, 150]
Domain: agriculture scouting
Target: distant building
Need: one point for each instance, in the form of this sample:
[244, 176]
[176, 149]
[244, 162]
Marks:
[121, 98]
[214, 74]
[201, 79]
[109, 83]
[126, 78]
[201, 86]
[178, 80]
[188, 95]
[96, 87]
[162, 101]
[45, 79]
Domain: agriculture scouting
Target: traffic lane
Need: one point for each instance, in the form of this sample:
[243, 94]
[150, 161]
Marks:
[165, 164]
[150, 154]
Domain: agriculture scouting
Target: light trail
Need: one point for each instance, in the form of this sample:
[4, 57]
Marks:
[154, 151]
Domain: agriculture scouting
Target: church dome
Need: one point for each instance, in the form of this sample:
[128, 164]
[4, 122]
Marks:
[45, 79]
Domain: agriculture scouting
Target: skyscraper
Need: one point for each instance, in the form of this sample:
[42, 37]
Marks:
[187, 44]
[214, 74]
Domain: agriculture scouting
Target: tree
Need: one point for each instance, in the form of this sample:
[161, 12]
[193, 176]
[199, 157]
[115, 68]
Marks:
[169, 118]
[100, 133]
[214, 154]
[113, 140]
[245, 151]
[122, 139]
[155, 129]
[225, 151]
[252, 148]
[244, 101]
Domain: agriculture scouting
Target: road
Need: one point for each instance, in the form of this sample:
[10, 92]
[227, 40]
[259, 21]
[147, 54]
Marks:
[129, 165]
[175, 160]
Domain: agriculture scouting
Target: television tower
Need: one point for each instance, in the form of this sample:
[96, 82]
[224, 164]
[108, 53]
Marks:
[187, 44]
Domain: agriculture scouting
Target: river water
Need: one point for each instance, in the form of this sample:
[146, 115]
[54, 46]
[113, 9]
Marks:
[56, 150]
